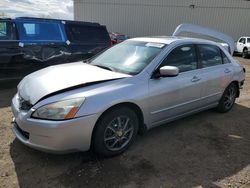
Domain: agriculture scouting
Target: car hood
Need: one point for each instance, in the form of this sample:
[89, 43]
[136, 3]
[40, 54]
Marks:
[201, 30]
[56, 78]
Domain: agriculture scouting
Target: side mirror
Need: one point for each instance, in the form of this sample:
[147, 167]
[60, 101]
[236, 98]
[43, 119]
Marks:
[167, 71]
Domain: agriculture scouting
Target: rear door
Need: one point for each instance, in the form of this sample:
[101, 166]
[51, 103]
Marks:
[9, 49]
[248, 41]
[216, 73]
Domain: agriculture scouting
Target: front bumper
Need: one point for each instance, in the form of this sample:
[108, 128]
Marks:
[52, 136]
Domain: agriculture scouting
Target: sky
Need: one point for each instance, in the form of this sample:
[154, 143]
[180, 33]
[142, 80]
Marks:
[61, 9]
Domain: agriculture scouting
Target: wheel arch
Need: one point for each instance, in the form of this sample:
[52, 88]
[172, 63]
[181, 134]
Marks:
[237, 85]
[245, 48]
[245, 52]
[134, 107]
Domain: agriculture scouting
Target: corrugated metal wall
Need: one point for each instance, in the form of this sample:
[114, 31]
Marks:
[160, 17]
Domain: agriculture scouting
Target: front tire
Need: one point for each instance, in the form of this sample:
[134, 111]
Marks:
[245, 53]
[228, 98]
[115, 131]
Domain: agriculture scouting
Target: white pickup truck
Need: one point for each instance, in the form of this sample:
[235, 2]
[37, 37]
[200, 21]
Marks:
[243, 46]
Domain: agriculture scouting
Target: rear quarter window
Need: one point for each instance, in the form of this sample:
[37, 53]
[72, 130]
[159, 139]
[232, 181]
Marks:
[79, 33]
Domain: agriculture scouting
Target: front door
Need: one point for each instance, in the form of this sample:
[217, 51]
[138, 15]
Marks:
[171, 97]
[240, 45]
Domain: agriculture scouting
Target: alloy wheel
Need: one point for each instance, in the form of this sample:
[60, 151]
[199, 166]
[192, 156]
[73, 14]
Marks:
[229, 97]
[118, 133]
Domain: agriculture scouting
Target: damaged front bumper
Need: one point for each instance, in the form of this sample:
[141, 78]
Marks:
[52, 136]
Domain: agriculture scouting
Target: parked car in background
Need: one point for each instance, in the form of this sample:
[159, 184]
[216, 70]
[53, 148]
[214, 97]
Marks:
[117, 37]
[243, 46]
[29, 44]
[131, 87]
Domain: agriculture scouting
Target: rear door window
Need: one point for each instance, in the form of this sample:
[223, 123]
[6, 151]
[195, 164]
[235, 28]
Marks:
[248, 40]
[210, 55]
[79, 33]
[40, 31]
[7, 30]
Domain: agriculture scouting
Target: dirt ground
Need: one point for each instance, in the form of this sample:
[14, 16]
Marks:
[205, 150]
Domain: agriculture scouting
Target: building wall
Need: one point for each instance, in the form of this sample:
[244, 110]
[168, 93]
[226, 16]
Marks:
[160, 17]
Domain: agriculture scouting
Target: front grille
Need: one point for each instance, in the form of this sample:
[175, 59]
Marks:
[24, 105]
[24, 133]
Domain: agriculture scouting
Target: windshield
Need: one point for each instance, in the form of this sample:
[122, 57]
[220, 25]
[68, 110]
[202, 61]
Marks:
[129, 57]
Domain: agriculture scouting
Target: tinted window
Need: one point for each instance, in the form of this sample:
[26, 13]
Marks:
[210, 55]
[183, 57]
[248, 40]
[79, 33]
[40, 31]
[7, 30]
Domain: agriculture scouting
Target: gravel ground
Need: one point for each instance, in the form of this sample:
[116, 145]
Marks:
[204, 150]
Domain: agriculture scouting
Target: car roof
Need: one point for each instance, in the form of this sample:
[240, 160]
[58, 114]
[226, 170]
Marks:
[170, 39]
[50, 20]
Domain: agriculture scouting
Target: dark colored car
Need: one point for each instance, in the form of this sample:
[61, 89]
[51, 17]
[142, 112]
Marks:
[29, 44]
[117, 37]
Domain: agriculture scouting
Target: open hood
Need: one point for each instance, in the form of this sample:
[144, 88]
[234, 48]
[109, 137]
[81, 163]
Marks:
[200, 30]
[55, 78]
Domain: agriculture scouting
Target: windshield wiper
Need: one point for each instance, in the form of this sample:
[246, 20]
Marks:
[106, 67]
[85, 61]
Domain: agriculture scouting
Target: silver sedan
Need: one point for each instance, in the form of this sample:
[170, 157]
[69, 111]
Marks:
[103, 103]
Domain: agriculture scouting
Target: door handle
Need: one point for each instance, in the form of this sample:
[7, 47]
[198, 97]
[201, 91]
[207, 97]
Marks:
[227, 70]
[195, 79]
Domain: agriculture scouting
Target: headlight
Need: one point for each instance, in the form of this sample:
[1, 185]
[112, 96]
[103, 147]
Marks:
[61, 110]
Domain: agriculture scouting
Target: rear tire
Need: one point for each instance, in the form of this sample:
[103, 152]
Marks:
[115, 131]
[228, 98]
